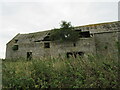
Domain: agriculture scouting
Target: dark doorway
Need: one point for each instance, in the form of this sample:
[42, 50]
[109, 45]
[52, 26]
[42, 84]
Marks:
[74, 54]
[29, 55]
[74, 44]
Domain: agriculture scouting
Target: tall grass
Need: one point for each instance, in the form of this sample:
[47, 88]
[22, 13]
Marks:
[90, 72]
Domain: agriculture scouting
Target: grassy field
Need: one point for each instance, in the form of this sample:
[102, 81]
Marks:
[90, 72]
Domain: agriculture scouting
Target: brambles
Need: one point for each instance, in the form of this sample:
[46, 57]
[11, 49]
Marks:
[92, 72]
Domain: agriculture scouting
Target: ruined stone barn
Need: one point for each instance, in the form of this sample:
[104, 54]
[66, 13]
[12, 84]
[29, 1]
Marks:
[94, 39]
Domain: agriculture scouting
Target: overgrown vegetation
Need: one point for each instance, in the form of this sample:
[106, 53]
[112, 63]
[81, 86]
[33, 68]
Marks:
[15, 47]
[89, 72]
[65, 33]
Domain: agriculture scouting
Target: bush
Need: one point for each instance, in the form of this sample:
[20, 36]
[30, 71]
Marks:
[15, 47]
[92, 72]
[65, 33]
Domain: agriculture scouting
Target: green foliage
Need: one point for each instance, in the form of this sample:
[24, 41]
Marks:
[118, 46]
[15, 47]
[65, 33]
[66, 25]
[91, 72]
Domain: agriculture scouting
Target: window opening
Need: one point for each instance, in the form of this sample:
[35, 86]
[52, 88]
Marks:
[46, 45]
[15, 47]
[74, 54]
[85, 34]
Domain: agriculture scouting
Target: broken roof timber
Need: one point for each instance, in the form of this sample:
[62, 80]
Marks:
[40, 35]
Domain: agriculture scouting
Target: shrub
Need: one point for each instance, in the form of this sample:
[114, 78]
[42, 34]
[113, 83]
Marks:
[92, 72]
[65, 33]
[15, 47]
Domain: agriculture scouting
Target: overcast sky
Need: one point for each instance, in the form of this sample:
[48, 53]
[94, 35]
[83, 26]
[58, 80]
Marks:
[25, 17]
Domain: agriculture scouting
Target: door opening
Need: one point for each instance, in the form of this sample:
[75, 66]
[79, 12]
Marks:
[29, 55]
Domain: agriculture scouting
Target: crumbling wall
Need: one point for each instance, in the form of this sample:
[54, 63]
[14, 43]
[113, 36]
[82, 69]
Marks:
[102, 27]
[10, 53]
[85, 45]
[26, 43]
[106, 44]
[103, 41]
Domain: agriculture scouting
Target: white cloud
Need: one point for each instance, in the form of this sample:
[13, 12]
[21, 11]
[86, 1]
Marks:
[60, 0]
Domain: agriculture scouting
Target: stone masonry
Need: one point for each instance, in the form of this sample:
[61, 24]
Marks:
[96, 39]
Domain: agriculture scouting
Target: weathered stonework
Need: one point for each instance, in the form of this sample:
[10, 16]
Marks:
[103, 39]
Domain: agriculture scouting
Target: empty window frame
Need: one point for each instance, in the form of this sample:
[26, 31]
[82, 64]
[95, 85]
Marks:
[15, 47]
[74, 54]
[85, 34]
[46, 45]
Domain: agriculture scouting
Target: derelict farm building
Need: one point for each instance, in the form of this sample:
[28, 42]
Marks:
[94, 39]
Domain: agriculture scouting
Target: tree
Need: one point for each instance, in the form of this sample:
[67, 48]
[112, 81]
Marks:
[65, 33]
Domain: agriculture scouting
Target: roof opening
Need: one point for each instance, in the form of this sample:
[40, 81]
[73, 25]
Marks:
[85, 34]
[48, 34]
[47, 38]
[78, 30]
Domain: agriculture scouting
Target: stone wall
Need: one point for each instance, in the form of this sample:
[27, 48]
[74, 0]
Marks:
[106, 43]
[102, 27]
[103, 41]
[56, 49]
